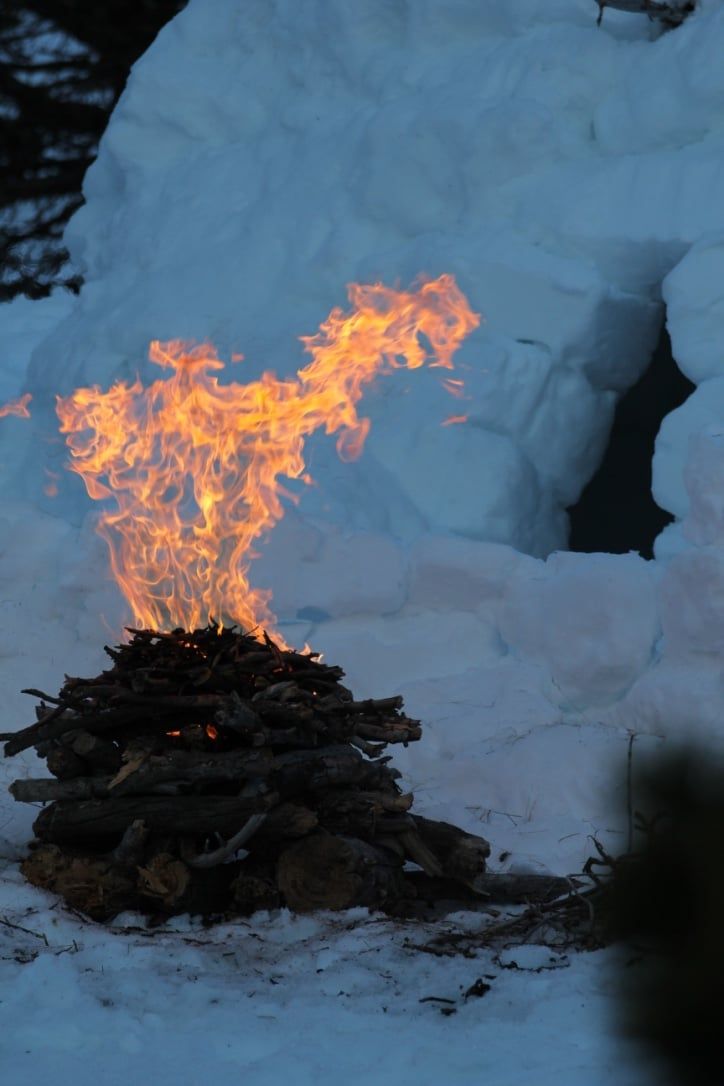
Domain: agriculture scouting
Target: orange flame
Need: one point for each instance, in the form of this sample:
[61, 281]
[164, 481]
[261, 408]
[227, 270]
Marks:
[17, 407]
[194, 466]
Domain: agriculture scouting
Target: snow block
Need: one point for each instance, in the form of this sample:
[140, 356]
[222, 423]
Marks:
[384, 654]
[694, 296]
[704, 482]
[692, 603]
[592, 619]
[329, 573]
[703, 410]
[449, 573]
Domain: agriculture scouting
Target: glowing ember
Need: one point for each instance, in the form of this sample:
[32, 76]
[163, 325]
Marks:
[17, 407]
[193, 466]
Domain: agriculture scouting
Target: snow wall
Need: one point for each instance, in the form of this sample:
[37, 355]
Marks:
[263, 156]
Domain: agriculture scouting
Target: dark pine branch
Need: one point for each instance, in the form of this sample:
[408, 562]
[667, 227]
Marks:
[63, 65]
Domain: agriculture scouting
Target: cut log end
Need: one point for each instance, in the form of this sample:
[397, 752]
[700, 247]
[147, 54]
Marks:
[324, 871]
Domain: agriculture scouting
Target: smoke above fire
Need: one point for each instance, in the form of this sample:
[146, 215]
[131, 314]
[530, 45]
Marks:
[193, 469]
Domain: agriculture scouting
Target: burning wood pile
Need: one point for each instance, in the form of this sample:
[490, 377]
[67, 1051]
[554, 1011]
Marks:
[215, 773]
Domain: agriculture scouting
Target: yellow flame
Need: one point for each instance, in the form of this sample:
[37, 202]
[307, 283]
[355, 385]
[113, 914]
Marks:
[18, 407]
[193, 466]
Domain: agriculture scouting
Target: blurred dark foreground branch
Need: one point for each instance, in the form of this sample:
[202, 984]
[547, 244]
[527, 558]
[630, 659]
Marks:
[663, 902]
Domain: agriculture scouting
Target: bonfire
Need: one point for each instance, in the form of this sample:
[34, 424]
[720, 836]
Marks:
[213, 768]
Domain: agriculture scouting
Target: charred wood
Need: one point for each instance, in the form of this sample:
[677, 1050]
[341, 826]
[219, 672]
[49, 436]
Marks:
[64, 764]
[86, 821]
[460, 855]
[325, 871]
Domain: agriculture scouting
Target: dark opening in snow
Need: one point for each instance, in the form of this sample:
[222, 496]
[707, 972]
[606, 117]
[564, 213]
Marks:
[616, 512]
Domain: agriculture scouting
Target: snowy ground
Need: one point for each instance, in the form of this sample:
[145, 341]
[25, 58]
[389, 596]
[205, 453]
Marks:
[298, 999]
[570, 178]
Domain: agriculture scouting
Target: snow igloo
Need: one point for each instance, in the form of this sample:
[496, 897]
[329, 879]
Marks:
[569, 176]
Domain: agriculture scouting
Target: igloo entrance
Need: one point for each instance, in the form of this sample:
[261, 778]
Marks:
[616, 512]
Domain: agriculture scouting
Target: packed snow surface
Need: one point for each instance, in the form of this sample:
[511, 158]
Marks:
[263, 156]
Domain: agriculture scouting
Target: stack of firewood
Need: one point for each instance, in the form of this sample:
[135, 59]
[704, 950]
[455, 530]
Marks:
[216, 773]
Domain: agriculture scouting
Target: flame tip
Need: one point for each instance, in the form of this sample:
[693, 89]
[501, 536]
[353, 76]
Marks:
[195, 467]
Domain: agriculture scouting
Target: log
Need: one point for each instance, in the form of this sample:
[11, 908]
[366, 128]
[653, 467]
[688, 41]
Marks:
[460, 855]
[64, 764]
[324, 871]
[51, 726]
[102, 755]
[93, 885]
[165, 879]
[670, 13]
[229, 848]
[512, 889]
[364, 814]
[497, 889]
[46, 789]
[129, 851]
[97, 723]
[292, 773]
[94, 820]
[417, 851]
[250, 892]
[284, 822]
[198, 768]
[329, 767]
[117, 692]
[391, 731]
[238, 716]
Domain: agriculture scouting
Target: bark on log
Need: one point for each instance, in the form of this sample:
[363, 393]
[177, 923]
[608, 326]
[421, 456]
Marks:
[129, 851]
[391, 731]
[284, 822]
[231, 847]
[364, 814]
[100, 754]
[329, 767]
[47, 789]
[184, 703]
[94, 885]
[497, 889]
[107, 722]
[51, 726]
[64, 764]
[88, 821]
[298, 771]
[460, 855]
[250, 892]
[671, 14]
[324, 871]
[165, 879]
[512, 889]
